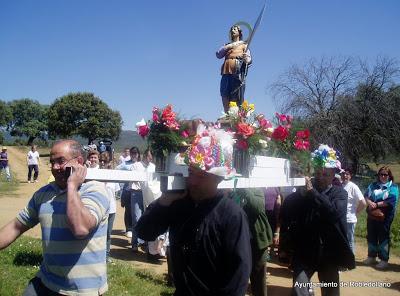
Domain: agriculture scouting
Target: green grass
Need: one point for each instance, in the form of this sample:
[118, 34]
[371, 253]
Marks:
[361, 228]
[20, 262]
[6, 187]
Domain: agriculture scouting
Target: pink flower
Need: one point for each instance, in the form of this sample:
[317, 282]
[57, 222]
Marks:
[284, 119]
[264, 123]
[156, 116]
[143, 130]
[302, 145]
[280, 133]
[185, 134]
[242, 145]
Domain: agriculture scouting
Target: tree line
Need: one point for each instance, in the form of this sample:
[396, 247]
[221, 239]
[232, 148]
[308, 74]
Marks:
[74, 114]
[347, 103]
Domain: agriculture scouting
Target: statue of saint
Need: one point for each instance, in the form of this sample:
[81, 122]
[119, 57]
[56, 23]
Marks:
[234, 69]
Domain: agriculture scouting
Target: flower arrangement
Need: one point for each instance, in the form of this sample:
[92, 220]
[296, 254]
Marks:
[164, 132]
[212, 151]
[325, 157]
[251, 131]
[251, 134]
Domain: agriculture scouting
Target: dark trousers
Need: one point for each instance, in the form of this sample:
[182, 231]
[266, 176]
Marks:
[328, 274]
[378, 237]
[36, 288]
[258, 275]
[33, 167]
[126, 203]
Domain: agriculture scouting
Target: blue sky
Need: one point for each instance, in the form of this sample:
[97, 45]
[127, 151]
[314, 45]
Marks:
[138, 54]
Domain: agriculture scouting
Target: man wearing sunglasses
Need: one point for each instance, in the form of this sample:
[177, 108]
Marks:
[73, 216]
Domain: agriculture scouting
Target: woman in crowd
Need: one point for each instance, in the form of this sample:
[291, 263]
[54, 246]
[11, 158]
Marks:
[381, 197]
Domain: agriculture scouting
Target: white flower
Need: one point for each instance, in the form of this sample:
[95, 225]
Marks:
[141, 123]
[264, 144]
[233, 111]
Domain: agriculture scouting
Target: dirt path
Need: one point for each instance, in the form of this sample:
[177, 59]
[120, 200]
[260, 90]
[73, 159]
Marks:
[279, 281]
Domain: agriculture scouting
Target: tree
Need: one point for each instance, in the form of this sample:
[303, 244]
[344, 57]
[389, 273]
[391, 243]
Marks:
[315, 87]
[85, 115]
[354, 108]
[28, 119]
[5, 114]
[369, 122]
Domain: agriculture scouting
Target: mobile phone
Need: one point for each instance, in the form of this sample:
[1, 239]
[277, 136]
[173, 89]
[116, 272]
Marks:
[67, 172]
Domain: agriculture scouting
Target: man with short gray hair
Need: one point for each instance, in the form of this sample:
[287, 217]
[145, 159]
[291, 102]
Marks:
[73, 217]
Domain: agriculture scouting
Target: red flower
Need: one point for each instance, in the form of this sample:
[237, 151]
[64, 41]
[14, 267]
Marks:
[143, 130]
[305, 134]
[280, 133]
[302, 145]
[168, 115]
[242, 145]
[244, 129]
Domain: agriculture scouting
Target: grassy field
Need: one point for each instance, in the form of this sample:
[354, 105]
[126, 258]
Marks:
[20, 262]
[8, 187]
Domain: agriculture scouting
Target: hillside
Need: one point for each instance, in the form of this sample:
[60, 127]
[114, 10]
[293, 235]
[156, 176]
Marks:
[127, 138]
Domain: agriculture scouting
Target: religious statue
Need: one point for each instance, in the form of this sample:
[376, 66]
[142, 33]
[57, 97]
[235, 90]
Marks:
[234, 69]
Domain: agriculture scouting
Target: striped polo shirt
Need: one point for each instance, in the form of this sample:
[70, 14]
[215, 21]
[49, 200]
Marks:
[70, 265]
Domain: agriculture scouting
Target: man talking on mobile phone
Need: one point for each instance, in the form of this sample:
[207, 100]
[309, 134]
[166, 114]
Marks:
[73, 217]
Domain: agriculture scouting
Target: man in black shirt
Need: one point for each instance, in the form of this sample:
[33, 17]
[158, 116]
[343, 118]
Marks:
[209, 233]
[316, 218]
[209, 237]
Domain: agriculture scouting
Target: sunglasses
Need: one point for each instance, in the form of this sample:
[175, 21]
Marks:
[383, 175]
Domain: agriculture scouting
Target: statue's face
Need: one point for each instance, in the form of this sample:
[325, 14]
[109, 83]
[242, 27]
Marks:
[235, 31]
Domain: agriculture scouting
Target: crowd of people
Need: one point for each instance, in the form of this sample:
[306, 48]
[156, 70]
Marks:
[215, 240]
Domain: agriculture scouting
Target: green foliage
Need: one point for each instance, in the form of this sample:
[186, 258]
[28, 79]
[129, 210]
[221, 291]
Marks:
[162, 140]
[85, 115]
[28, 118]
[20, 262]
[5, 114]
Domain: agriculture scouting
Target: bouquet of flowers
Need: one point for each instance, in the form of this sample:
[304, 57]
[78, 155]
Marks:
[255, 134]
[251, 131]
[164, 132]
[289, 140]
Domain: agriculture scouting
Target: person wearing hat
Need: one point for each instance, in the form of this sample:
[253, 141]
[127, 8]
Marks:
[208, 232]
[4, 163]
[318, 228]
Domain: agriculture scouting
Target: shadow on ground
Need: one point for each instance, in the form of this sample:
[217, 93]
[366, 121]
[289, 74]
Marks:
[27, 258]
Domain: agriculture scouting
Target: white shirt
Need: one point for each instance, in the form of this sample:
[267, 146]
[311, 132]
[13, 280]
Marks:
[139, 166]
[354, 197]
[33, 157]
[111, 189]
[123, 159]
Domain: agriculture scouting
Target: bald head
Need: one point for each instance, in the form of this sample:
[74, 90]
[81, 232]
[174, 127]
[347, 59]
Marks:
[74, 148]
